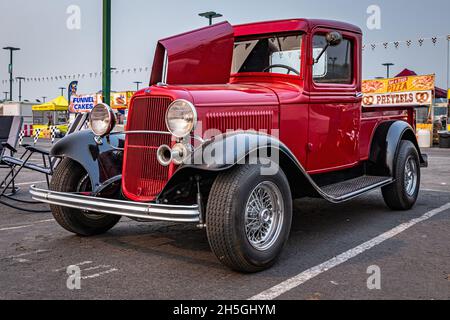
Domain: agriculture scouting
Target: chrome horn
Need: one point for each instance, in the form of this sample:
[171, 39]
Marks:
[164, 155]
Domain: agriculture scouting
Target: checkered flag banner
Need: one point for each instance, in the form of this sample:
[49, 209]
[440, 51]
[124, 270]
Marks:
[54, 131]
[37, 133]
[21, 136]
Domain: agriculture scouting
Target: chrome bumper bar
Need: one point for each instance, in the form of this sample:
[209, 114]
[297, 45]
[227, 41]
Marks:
[137, 210]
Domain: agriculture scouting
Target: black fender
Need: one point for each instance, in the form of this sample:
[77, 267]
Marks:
[229, 150]
[103, 162]
[386, 142]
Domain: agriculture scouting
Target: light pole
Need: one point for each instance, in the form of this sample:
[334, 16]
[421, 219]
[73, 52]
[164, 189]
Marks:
[62, 91]
[388, 66]
[20, 79]
[6, 95]
[10, 69]
[43, 99]
[106, 81]
[210, 15]
[138, 83]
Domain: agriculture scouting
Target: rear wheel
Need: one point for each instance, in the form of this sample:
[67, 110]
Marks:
[249, 218]
[403, 193]
[71, 177]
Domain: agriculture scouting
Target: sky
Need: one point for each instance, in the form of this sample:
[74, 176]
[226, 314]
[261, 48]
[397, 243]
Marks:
[50, 48]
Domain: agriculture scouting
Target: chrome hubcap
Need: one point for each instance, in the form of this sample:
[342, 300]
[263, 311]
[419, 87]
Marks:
[264, 216]
[411, 176]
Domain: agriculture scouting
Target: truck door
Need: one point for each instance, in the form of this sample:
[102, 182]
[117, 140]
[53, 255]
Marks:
[335, 104]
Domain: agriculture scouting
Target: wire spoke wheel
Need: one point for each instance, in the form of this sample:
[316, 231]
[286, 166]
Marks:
[264, 216]
[410, 176]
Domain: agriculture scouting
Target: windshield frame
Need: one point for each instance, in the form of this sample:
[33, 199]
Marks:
[302, 34]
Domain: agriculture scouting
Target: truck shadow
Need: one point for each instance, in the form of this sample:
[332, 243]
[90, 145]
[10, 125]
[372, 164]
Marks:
[319, 231]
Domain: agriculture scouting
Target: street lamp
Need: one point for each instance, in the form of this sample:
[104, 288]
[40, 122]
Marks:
[10, 69]
[388, 66]
[210, 15]
[62, 90]
[20, 79]
[138, 83]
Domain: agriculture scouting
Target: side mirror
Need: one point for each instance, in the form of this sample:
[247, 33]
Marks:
[334, 38]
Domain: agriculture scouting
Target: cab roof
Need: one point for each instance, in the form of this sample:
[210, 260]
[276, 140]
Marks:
[278, 26]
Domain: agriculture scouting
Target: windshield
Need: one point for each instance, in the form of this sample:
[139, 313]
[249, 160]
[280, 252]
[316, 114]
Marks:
[274, 54]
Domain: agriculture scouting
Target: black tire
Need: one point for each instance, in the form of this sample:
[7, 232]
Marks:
[69, 177]
[225, 218]
[397, 195]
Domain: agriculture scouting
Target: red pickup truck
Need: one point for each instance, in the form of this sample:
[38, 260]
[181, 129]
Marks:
[237, 122]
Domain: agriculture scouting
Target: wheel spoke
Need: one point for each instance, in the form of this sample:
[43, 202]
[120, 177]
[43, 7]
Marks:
[264, 216]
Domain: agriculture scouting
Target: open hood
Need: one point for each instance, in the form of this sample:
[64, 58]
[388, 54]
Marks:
[202, 56]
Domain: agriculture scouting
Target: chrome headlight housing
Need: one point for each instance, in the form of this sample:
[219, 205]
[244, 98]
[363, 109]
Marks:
[181, 118]
[102, 120]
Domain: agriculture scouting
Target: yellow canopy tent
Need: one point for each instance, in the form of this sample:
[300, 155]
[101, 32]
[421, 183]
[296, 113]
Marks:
[52, 113]
[57, 104]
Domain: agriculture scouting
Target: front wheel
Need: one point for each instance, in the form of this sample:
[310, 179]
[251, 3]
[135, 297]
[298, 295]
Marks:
[249, 218]
[71, 177]
[403, 193]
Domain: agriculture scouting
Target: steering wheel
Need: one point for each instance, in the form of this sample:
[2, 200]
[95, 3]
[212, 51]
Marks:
[290, 69]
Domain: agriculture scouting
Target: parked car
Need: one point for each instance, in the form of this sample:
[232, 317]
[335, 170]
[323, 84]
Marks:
[229, 151]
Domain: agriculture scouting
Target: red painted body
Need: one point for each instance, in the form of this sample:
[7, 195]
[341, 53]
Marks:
[325, 126]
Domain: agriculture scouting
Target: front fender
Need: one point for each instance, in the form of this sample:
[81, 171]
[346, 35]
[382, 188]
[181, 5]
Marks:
[102, 162]
[226, 151]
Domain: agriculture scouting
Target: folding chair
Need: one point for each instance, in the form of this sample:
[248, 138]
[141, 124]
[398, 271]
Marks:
[10, 128]
[47, 167]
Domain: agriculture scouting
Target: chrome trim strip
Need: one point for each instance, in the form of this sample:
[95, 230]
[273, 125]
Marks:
[140, 132]
[146, 211]
[165, 70]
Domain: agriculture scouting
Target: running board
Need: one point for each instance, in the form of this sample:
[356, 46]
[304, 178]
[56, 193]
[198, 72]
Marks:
[347, 190]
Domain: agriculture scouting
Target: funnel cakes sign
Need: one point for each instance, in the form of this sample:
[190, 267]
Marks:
[403, 91]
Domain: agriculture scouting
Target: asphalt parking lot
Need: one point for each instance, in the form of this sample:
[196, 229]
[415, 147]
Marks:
[328, 256]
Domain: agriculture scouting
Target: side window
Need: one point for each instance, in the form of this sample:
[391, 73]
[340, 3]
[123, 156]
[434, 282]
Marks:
[336, 66]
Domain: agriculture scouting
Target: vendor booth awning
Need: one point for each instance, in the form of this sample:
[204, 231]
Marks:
[58, 104]
[440, 93]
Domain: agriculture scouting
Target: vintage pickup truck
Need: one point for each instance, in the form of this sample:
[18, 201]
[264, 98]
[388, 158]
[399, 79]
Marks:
[237, 122]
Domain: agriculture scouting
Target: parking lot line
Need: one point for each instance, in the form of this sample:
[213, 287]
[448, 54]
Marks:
[77, 265]
[25, 226]
[100, 274]
[309, 274]
[434, 190]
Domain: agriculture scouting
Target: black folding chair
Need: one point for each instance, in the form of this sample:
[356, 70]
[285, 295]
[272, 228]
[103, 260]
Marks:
[47, 167]
[10, 128]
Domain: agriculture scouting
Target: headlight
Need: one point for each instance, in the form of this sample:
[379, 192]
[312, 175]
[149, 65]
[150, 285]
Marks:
[181, 118]
[102, 120]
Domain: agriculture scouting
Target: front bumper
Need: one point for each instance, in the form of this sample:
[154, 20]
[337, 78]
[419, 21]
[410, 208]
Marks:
[135, 210]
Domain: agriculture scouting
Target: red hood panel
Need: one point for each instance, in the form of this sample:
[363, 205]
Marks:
[202, 56]
[232, 95]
